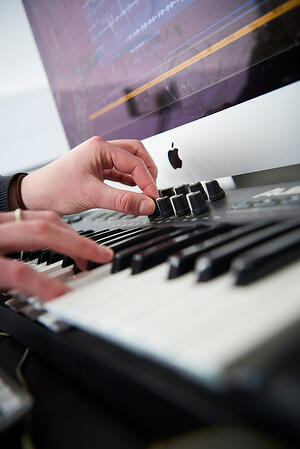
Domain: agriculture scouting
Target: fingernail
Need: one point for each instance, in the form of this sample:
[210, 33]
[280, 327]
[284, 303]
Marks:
[146, 207]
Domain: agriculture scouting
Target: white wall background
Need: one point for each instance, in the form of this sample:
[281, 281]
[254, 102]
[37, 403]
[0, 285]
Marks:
[31, 133]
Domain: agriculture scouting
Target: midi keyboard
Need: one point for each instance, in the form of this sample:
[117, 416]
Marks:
[198, 313]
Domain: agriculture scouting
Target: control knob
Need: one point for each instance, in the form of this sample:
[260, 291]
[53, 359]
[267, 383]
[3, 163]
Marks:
[197, 203]
[198, 187]
[180, 205]
[183, 189]
[215, 191]
[165, 206]
[166, 192]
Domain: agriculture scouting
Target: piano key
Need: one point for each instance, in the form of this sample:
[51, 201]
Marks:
[44, 256]
[184, 261]
[137, 239]
[179, 322]
[218, 260]
[31, 255]
[51, 321]
[123, 258]
[266, 258]
[118, 237]
[159, 253]
[114, 240]
[105, 233]
[67, 260]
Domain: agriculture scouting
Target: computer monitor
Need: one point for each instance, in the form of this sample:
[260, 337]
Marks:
[212, 88]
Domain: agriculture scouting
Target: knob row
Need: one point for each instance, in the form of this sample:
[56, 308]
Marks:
[184, 189]
[214, 189]
[181, 205]
[186, 199]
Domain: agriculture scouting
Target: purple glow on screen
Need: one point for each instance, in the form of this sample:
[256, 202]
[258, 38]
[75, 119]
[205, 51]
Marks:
[98, 51]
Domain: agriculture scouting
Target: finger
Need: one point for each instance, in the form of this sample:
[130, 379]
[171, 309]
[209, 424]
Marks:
[48, 216]
[115, 175]
[26, 235]
[125, 162]
[125, 201]
[26, 279]
[136, 148]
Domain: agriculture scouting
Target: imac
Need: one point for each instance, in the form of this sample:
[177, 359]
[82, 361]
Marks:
[215, 82]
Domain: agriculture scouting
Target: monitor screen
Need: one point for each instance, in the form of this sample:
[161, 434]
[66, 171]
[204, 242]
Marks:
[139, 68]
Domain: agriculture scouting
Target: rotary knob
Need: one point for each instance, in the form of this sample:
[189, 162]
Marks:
[165, 206]
[215, 191]
[180, 205]
[198, 187]
[167, 192]
[197, 203]
[182, 190]
[155, 213]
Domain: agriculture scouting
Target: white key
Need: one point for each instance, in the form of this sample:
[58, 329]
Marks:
[201, 328]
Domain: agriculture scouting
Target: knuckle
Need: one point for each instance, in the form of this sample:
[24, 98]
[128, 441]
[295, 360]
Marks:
[41, 228]
[137, 143]
[124, 202]
[51, 216]
[96, 139]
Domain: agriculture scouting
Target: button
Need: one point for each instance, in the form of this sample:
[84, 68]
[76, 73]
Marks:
[243, 205]
[293, 200]
[267, 202]
[215, 191]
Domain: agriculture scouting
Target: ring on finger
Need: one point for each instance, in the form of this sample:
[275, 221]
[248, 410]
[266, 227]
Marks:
[18, 214]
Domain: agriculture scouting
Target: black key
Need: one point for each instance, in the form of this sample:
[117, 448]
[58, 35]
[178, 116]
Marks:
[218, 260]
[44, 256]
[159, 253]
[118, 238]
[55, 257]
[88, 231]
[28, 256]
[123, 258]
[136, 239]
[67, 260]
[184, 260]
[15, 255]
[266, 258]
[101, 234]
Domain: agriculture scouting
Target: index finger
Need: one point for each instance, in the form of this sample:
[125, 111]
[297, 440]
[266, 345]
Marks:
[136, 148]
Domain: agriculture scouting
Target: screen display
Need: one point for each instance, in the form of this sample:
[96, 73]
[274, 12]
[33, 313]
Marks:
[135, 68]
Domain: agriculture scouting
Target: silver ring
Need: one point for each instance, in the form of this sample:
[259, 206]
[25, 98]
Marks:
[18, 214]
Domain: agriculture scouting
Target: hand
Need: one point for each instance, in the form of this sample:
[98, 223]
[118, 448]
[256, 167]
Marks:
[75, 182]
[40, 230]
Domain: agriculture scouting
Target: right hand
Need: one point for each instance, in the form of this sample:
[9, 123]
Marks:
[39, 230]
[76, 181]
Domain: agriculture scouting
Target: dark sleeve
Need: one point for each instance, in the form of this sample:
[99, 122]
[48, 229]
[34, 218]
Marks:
[4, 186]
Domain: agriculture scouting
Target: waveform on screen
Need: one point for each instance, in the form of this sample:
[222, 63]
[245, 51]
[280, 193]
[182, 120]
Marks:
[165, 10]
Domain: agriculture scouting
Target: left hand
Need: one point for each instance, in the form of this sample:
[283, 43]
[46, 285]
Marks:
[75, 182]
[38, 230]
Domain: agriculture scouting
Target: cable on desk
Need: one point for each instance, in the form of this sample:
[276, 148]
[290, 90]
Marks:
[26, 436]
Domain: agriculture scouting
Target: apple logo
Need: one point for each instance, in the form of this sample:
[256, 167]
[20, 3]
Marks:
[174, 159]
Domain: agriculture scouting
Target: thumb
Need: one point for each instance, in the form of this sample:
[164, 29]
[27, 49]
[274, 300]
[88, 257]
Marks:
[126, 201]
